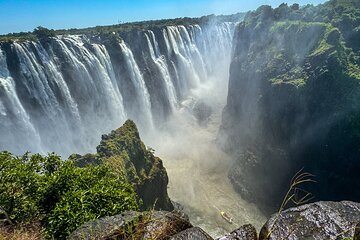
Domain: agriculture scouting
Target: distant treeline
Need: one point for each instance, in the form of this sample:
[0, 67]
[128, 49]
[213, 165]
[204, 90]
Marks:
[41, 32]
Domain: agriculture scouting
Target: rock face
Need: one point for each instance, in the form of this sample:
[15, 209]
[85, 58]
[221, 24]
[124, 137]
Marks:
[133, 225]
[194, 233]
[127, 155]
[318, 221]
[294, 101]
[246, 232]
[60, 90]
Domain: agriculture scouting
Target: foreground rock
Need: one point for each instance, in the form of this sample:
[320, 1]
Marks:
[318, 221]
[133, 225]
[194, 233]
[246, 232]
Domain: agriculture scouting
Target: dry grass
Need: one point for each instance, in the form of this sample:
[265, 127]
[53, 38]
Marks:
[29, 232]
[295, 194]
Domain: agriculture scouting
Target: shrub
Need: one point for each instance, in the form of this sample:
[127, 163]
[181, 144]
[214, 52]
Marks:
[43, 33]
[59, 194]
[108, 196]
[19, 182]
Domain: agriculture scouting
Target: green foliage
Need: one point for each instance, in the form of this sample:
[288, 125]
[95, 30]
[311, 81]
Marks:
[125, 145]
[123, 152]
[43, 33]
[106, 197]
[59, 194]
[19, 181]
[354, 70]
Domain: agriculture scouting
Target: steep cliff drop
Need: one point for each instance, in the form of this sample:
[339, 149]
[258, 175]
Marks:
[62, 93]
[293, 102]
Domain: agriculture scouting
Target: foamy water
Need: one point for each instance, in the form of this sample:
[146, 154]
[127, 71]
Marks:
[197, 171]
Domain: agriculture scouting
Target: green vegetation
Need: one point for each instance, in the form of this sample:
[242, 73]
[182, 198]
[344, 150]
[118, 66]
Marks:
[58, 194]
[62, 195]
[125, 154]
[43, 33]
[354, 70]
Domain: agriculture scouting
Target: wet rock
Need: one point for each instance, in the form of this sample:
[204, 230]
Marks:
[144, 225]
[194, 233]
[202, 112]
[316, 221]
[246, 232]
[292, 113]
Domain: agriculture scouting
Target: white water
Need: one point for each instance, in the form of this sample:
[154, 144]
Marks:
[63, 96]
[198, 169]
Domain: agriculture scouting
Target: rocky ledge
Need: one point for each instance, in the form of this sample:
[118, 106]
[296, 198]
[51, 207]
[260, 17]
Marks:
[316, 221]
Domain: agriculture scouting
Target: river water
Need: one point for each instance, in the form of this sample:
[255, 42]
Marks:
[198, 169]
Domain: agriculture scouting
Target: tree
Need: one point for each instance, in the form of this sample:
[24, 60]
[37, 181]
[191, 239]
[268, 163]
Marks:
[43, 33]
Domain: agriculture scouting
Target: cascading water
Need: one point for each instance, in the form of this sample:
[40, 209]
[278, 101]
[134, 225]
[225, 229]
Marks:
[68, 91]
[62, 94]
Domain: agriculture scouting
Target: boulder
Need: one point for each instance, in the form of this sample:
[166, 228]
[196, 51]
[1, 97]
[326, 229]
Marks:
[316, 221]
[137, 225]
[202, 111]
[246, 232]
[194, 233]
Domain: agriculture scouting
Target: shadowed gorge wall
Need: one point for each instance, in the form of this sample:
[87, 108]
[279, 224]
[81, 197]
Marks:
[293, 102]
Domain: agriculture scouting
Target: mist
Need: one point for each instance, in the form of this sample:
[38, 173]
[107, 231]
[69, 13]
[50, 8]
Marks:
[188, 143]
[174, 87]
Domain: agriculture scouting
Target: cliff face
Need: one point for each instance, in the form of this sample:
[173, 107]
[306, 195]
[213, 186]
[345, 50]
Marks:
[127, 155]
[58, 87]
[293, 101]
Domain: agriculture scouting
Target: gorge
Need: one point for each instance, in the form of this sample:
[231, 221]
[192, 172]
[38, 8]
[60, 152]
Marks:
[60, 94]
[231, 106]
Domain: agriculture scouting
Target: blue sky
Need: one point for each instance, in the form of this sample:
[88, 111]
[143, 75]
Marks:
[25, 15]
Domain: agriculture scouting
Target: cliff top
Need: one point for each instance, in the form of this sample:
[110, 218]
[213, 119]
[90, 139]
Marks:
[41, 32]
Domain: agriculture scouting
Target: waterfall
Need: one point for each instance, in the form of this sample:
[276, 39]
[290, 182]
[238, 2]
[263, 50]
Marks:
[159, 60]
[62, 94]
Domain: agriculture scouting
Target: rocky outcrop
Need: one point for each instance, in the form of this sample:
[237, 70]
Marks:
[318, 221]
[124, 152]
[293, 102]
[246, 232]
[194, 233]
[133, 225]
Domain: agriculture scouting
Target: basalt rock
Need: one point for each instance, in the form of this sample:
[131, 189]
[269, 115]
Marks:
[317, 221]
[133, 225]
[293, 102]
[194, 233]
[246, 232]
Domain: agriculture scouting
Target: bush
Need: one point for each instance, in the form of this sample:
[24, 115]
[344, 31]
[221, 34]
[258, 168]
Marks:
[43, 33]
[108, 196]
[19, 182]
[59, 194]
